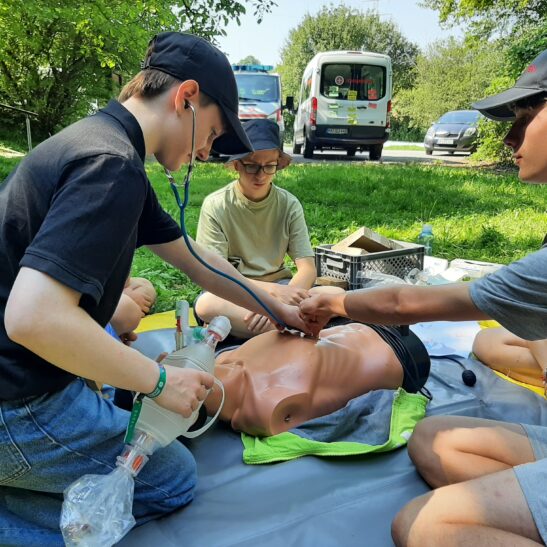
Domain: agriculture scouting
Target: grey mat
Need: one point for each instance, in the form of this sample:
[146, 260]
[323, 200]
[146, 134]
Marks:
[317, 501]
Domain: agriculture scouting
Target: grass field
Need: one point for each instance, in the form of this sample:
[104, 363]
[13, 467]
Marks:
[475, 214]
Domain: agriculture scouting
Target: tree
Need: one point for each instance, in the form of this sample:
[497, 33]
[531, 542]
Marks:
[56, 58]
[450, 75]
[487, 18]
[521, 26]
[249, 60]
[344, 28]
[494, 14]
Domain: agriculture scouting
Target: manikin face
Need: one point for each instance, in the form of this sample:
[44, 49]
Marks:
[175, 148]
[256, 187]
[527, 138]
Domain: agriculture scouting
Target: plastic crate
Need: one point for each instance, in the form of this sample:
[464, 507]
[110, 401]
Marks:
[398, 262]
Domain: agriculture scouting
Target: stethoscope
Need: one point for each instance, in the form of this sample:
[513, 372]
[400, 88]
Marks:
[182, 206]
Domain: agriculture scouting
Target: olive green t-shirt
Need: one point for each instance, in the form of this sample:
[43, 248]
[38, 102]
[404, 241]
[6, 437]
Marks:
[254, 236]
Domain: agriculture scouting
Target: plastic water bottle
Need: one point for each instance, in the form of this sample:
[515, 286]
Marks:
[426, 239]
[164, 425]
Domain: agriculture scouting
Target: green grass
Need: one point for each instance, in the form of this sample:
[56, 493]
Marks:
[413, 147]
[475, 214]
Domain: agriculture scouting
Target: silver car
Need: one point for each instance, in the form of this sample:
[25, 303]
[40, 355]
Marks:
[454, 131]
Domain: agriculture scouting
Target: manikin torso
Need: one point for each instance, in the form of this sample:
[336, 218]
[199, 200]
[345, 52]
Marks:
[274, 382]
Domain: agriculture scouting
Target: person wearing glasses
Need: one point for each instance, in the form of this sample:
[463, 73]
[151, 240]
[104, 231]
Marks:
[254, 224]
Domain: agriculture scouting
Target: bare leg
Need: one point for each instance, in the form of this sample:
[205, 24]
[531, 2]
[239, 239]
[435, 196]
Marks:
[142, 292]
[127, 316]
[451, 449]
[491, 510]
[209, 306]
[517, 358]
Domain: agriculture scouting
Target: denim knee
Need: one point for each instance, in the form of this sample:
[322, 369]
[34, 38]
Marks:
[166, 483]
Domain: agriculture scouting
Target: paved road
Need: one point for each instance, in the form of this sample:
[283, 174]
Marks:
[388, 156]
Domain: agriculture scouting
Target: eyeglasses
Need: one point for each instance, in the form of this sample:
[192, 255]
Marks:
[254, 168]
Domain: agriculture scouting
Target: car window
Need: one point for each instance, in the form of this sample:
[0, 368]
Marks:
[460, 116]
[353, 82]
[258, 87]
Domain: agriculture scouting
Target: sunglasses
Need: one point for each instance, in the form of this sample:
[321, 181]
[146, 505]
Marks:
[254, 168]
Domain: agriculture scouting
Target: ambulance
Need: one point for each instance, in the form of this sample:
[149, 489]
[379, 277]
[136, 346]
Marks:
[260, 94]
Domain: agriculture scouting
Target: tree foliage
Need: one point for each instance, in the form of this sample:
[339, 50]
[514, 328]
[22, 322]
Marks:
[450, 75]
[488, 16]
[249, 60]
[341, 27]
[57, 57]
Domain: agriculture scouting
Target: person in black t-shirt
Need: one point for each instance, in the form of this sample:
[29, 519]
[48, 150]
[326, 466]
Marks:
[71, 215]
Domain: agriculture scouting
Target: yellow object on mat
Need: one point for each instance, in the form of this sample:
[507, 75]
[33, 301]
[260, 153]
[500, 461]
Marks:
[488, 324]
[535, 389]
[163, 320]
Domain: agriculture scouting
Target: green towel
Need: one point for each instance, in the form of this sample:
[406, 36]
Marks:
[378, 421]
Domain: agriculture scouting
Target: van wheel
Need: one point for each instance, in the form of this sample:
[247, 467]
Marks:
[308, 148]
[375, 152]
[296, 148]
[351, 152]
[429, 151]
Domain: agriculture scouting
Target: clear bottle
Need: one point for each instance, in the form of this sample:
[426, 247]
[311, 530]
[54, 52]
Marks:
[426, 239]
[162, 424]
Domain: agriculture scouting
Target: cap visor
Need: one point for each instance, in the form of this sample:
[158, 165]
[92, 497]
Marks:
[234, 140]
[497, 107]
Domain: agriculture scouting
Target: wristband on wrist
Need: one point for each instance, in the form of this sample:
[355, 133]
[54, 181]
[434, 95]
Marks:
[162, 380]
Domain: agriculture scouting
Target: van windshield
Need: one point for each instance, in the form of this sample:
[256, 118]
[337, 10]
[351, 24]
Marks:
[258, 87]
[353, 82]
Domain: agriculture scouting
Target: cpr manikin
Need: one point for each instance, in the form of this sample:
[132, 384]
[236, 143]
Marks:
[275, 382]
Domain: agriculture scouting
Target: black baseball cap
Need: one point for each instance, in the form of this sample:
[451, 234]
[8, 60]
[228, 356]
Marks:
[264, 135]
[533, 81]
[188, 57]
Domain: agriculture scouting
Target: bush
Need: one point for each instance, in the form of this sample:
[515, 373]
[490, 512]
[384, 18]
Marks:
[490, 147]
[288, 119]
[402, 130]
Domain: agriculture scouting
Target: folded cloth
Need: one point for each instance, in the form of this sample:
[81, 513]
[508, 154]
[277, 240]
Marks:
[378, 421]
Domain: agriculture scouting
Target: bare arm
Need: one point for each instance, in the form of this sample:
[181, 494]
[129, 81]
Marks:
[66, 336]
[178, 255]
[306, 273]
[398, 305]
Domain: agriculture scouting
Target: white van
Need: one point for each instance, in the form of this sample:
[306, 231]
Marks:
[344, 103]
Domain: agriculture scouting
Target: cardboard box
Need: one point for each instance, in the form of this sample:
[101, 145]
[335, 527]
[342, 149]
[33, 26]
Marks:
[364, 241]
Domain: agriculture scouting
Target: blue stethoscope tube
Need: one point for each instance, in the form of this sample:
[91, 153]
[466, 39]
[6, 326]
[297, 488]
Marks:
[182, 206]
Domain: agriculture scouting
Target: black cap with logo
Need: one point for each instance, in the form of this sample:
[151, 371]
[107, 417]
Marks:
[533, 81]
[189, 57]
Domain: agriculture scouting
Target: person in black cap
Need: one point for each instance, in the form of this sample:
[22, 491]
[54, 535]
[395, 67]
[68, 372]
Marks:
[71, 215]
[489, 475]
[254, 224]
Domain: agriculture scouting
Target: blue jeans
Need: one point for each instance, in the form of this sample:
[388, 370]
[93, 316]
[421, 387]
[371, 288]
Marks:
[48, 442]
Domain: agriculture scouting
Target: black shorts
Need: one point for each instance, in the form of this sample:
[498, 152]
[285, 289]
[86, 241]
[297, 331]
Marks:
[411, 353]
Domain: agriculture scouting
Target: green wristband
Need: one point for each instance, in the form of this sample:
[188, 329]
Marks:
[161, 383]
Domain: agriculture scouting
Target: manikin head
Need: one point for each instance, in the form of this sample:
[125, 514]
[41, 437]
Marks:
[257, 170]
[181, 70]
[525, 105]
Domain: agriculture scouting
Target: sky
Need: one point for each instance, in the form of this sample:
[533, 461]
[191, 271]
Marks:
[265, 41]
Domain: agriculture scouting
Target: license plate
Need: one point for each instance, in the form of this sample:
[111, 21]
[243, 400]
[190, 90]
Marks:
[445, 141]
[337, 131]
